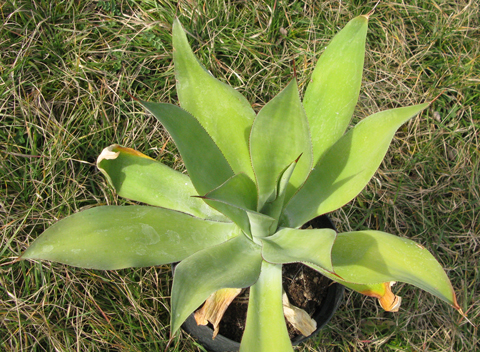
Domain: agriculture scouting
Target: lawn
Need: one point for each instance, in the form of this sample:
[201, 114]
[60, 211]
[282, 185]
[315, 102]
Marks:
[66, 68]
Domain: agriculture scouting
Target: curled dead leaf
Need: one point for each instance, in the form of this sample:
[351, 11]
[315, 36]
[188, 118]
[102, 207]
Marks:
[214, 308]
[108, 153]
[299, 318]
[388, 300]
[113, 151]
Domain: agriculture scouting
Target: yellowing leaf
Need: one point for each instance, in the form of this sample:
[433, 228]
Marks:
[383, 292]
[138, 177]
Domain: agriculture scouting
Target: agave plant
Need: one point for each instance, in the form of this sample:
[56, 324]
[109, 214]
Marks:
[253, 180]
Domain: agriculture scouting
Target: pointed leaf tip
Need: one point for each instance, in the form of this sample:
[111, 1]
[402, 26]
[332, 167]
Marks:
[210, 101]
[116, 237]
[297, 159]
[279, 134]
[332, 93]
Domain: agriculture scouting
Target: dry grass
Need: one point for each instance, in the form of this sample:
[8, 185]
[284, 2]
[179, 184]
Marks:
[64, 70]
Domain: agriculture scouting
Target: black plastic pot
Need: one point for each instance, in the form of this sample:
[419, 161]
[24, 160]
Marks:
[330, 303]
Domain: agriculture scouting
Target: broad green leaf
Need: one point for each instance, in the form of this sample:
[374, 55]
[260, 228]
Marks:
[136, 176]
[274, 206]
[238, 190]
[237, 215]
[252, 223]
[347, 166]
[233, 264]
[205, 163]
[237, 206]
[266, 330]
[224, 113]
[261, 225]
[116, 237]
[374, 257]
[279, 135]
[237, 199]
[332, 94]
[306, 246]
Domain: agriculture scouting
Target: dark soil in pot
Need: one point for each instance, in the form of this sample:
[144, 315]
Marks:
[305, 288]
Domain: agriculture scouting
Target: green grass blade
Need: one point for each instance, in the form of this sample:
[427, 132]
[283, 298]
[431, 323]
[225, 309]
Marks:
[347, 166]
[266, 330]
[233, 264]
[116, 237]
[205, 163]
[135, 176]
[279, 135]
[332, 94]
[213, 103]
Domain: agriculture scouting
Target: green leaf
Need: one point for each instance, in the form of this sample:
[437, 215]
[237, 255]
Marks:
[205, 163]
[237, 215]
[279, 135]
[239, 190]
[266, 330]
[237, 199]
[306, 246]
[274, 206]
[253, 224]
[261, 225]
[347, 166]
[224, 113]
[116, 237]
[382, 291]
[136, 176]
[332, 94]
[233, 264]
[374, 257]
